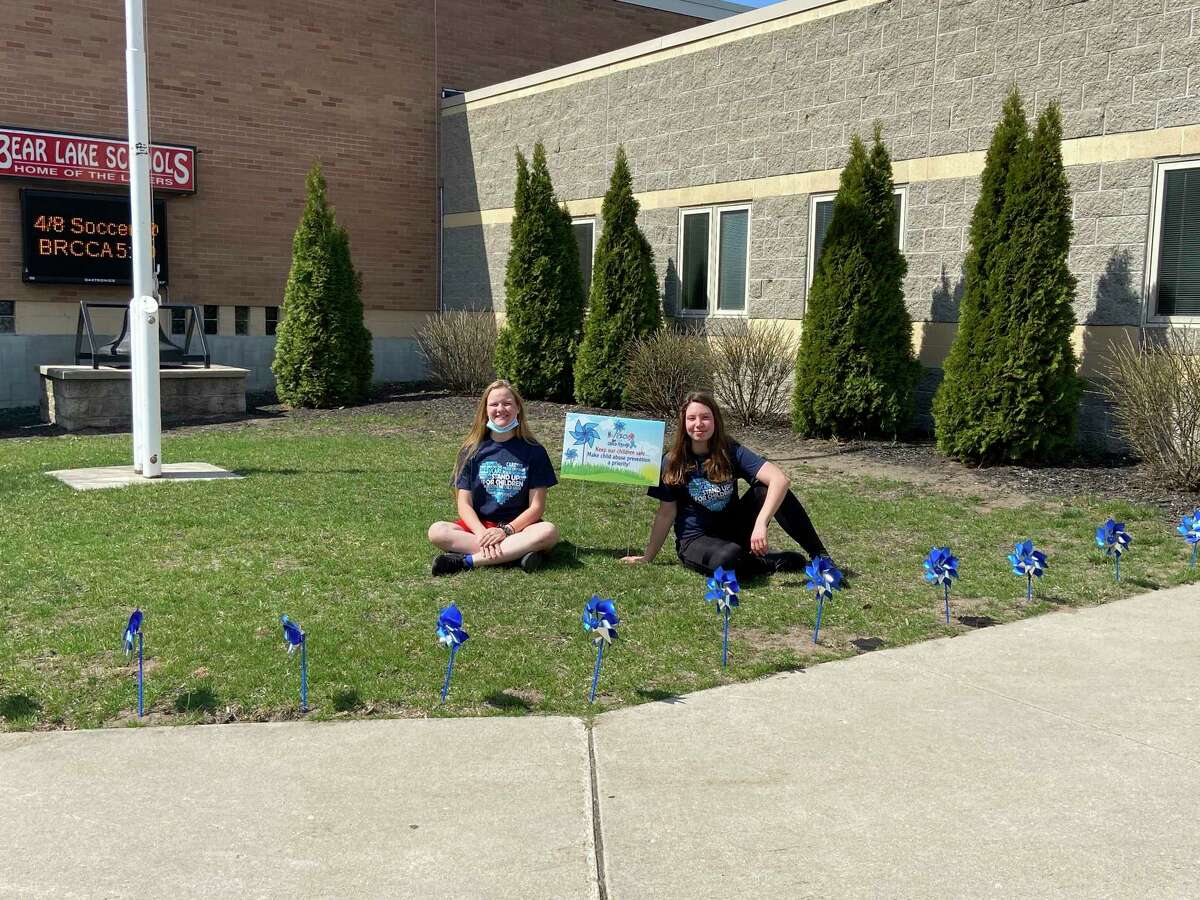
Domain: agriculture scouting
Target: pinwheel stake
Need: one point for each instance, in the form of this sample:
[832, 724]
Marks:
[600, 618]
[1112, 538]
[451, 633]
[293, 636]
[941, 567]
[823, 578]
[132, 630]
[723, 589]
[1028, 562]
[1189, 530]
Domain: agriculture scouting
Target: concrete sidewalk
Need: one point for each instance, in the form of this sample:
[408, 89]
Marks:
[1055, 757]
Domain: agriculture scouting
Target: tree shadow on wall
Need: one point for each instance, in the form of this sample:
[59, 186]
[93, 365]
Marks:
[670, 292]
[946, 299]
[1118, 302]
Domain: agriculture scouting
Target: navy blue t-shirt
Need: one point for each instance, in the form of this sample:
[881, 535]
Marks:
[500, 475]
[702, 504]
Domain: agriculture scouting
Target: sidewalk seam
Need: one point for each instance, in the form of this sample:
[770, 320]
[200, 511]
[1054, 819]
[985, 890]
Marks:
[597, 835]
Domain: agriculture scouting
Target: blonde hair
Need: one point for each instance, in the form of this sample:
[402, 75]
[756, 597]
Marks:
[479, 426]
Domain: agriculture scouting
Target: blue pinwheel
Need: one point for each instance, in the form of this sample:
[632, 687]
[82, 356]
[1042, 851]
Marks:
[1112, 538]
[618, 425]
[571, 455]
[600, 620]
[134, 629]
[723, 590]
[823, 579]
[293, 637]
[451, 633]
[584, 435]
[1027, 562]
[941, 567]
[1189, 530]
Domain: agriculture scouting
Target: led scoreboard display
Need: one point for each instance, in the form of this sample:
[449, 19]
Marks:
[84, 238]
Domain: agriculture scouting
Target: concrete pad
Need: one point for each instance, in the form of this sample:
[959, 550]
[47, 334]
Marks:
[491, 807]
[102, 477]
[883, 776]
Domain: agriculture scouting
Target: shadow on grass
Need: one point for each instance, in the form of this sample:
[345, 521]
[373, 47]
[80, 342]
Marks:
[659, 696]
[978, 621]
[19, 706]
[866, 645]
[347, 700]
[1144, 583]
[507, 701]
[198, 699]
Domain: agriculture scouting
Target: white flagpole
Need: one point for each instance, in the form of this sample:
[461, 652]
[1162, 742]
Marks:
[143, 308]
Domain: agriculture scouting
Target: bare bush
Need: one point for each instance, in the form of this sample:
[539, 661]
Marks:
[665, 367]
[753, 370]
[1155, 391]
[460, 349]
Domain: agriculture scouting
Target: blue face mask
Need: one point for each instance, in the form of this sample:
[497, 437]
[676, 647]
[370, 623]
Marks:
[503, 429]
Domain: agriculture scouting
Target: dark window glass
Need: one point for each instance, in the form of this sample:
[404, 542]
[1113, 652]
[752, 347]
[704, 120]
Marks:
[211, 317]
[272, 319]
[824, 215]
[731, 260]
[178, 321]
[694, 274]
[241, 320]
[8, 320]
[585, 239]
[1179, 244]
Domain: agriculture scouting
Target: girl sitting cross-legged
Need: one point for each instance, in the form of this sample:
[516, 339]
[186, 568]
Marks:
[501, 481]
[713, 525]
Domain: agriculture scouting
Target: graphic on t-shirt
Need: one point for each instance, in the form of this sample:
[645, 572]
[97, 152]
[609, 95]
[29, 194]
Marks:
[502, 481]
[713, 497]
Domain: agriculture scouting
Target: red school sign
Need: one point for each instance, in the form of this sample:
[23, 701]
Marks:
[91, 160]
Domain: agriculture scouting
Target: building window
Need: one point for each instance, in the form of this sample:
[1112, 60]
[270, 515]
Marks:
[241, 320]
[272, 319]
[714, 260]
[211, 318]
[1174, 276]
[820, 214]
[585, 239]
[178, 321]
[8, 319]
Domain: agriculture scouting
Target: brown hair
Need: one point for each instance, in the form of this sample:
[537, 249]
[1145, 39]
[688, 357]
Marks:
[479, 426]
[680, 459]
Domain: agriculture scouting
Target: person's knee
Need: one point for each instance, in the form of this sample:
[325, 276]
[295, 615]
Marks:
[759, 490]
[439, 533]
[726, 557]
[549, 535]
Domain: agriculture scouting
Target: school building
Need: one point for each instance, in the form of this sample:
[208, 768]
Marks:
[244, 98]
[736, 131]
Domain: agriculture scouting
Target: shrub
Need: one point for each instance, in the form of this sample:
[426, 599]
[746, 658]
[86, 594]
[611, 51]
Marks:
[855, 372]
[1156, 404]
[665, 367]
[623, 305]
[543, 290]
[322, 348]
[460, 349]
[753, 368]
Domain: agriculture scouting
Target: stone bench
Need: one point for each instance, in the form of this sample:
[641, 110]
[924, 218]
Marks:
[80, 397]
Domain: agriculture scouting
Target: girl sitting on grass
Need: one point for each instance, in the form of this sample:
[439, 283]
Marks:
[713, 525]
[501, 481]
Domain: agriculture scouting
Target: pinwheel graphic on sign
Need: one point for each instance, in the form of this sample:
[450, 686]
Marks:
[823, 579]
[134, 630]
[584, 435]
[451, 633]
[600, 620]
[723, 590]
[293, 636]
[1029, 563]
[1112, 538]
[1189, 530]
[941, 567]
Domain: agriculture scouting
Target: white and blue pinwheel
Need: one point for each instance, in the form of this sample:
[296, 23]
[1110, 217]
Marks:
[451, 633]
[1028, 563]
[600, 621]
[1113, 539]
[823, 579]
[133, 629]
[941, 567]
[723, 590]
[584, 435]
[293, 637]
[1189, 530]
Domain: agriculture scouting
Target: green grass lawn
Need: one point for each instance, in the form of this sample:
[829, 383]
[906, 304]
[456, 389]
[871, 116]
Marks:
[329, 525]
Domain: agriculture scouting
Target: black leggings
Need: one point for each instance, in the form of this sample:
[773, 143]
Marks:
[730, 548]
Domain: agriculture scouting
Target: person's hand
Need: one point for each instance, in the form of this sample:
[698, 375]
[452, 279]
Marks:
[758, 539]
[634, 560]
[491, 537]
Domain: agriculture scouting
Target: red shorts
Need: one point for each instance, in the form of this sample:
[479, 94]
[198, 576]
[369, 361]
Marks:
[486, 524]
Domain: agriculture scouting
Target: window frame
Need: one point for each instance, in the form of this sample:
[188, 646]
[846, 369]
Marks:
[1150, 314]
[271, 329]
[11, 306]
[714, 211]
[814, 199]
[587, 220]
[241, 321]
[216, 319]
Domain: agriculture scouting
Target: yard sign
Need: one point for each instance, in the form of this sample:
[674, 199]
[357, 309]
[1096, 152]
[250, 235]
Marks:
[616, 450]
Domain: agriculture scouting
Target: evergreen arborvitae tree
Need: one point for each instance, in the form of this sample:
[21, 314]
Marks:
[543, 290]
[1011, 392]
[855, 370]
[322, 348]
[623, 305]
